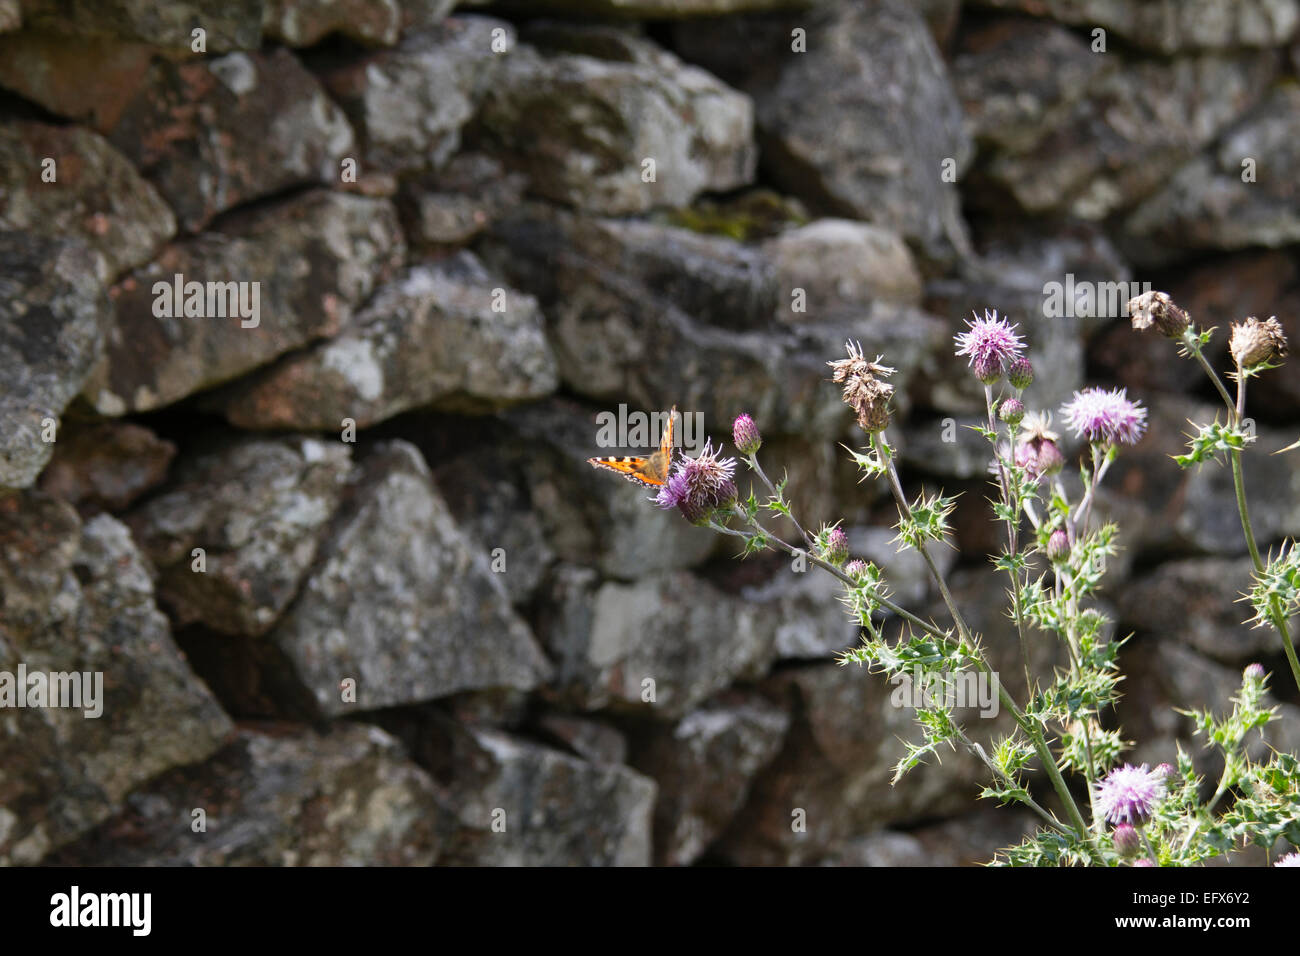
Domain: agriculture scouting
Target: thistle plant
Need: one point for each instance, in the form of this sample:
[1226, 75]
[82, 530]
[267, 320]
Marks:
[1062, 755]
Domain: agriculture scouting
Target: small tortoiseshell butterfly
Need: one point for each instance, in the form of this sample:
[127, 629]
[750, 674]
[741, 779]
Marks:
[652, 471]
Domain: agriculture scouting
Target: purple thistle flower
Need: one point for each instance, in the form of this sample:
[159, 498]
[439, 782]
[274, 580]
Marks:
[673, 490]
[1291, 859]
[1254, 672]
[837, 546]
[855, 568]
[1105, 416]
[1127, 841]
[1129, 794]
[1011, 411]
[1020, 373]
[699, 485]
[1145, 861]
[745, 436]
[1058, 546]
[1037, 451]
[992, 345]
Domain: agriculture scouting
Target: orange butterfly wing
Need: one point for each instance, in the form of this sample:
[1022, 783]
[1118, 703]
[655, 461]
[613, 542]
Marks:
[651, 472]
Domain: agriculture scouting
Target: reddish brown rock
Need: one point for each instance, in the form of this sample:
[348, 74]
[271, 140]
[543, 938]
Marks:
[106, 465]
[87, 79]
[214, 133]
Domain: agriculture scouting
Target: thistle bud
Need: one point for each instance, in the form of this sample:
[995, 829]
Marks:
[837, 547]
[1158, 310]
[855, 568]
[694, 511]
[988, 368]
[745, 435]
[1050, 459]
[1011, 411]
[1020, 373]
[1253, 341]
[1165, 768]
[1058, 546]
[1253, 673]
[1127, 841]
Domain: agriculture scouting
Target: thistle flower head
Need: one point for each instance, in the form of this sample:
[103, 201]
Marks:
[864, 389]
[699, 485]
[1105, 416]
[1253, 341]
[1058, 546]
[992, 344]
[1291, 859]
[1036, 450]
[745, 436]
[1127, 841]
[1011, 411]
[836, 550]
[1158, 310]
[1254, 673]
[1129, 794]
[1020, 373]
[855, 568]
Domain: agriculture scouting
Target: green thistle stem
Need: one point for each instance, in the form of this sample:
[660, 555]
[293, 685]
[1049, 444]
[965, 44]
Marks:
[1035, 734]
[1277, 614]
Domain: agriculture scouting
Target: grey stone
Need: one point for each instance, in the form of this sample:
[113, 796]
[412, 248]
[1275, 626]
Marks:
[972, 839]
[1137, 125]
[1164, 677]
[842, 267]
[1171, 26]
[862, 124]
[703, 766]
[835, 767]
[1197, 601]
[53, 313]
[1017, 79]
[582, 128]
[96, 195]
[227, 25]
[79, 599]
[447, 333]
[400, 601]
[1208, 204]
[258, 508]
[618, 338]
[592, 740]
[557, 810]
[409, 103]
[454, 205]
[280, 797]
[306, 22]
[671, 636]
[314, 258]
[1195, 510]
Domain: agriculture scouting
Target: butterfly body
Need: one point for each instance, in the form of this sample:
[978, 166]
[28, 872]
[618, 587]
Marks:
[652, 471]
